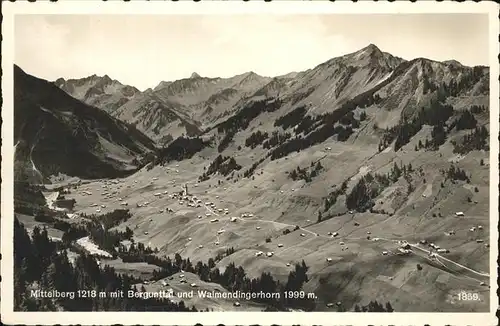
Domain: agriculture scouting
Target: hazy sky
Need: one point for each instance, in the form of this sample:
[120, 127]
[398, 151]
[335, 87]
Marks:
[144, 50]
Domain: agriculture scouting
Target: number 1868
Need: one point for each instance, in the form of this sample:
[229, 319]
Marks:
[468, 296]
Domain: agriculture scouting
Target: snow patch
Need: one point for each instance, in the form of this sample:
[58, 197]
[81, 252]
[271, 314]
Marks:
[428, 191]
[361, 173]
[385, 78]
[50, 199]
[92, 248]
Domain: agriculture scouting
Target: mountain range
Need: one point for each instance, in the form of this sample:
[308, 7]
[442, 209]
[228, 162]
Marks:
[392, 90]
[191, 106]
[171, 109]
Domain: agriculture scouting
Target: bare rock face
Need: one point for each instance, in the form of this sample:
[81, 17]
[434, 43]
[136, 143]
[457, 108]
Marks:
[102, 92]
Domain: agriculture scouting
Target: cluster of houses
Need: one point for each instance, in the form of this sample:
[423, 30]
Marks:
[268, 254]
[435, 247]
[404, 249]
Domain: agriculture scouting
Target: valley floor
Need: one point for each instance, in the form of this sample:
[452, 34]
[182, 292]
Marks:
[361, 262]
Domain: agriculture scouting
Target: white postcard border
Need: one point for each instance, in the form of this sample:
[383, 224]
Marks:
[9, 10]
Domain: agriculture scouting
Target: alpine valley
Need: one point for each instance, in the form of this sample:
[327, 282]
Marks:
[361, 184]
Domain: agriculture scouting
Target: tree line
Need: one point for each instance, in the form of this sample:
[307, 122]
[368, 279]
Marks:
[221, 164]
[315, 137]
[469, 78]
[455, 173]
[370, 186]
[27, 197]
[331, 199]
[242, 119]
[277, 138]
[476, 140]
[180, 149]
[340, 122]
[292, 118]
[255, 139]
[306, 174]
[436, 115]
[233, 278]
[41, 264]
[254, 166]
[374, 306]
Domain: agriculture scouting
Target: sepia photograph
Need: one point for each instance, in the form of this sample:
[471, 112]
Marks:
[266, 159]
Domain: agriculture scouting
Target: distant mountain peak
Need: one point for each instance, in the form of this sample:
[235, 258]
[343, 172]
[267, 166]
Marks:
[161, 85]
[370, 53]
[371, 47]
[195, 75]
[250, 76]
[369, 50]
[369, 56]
